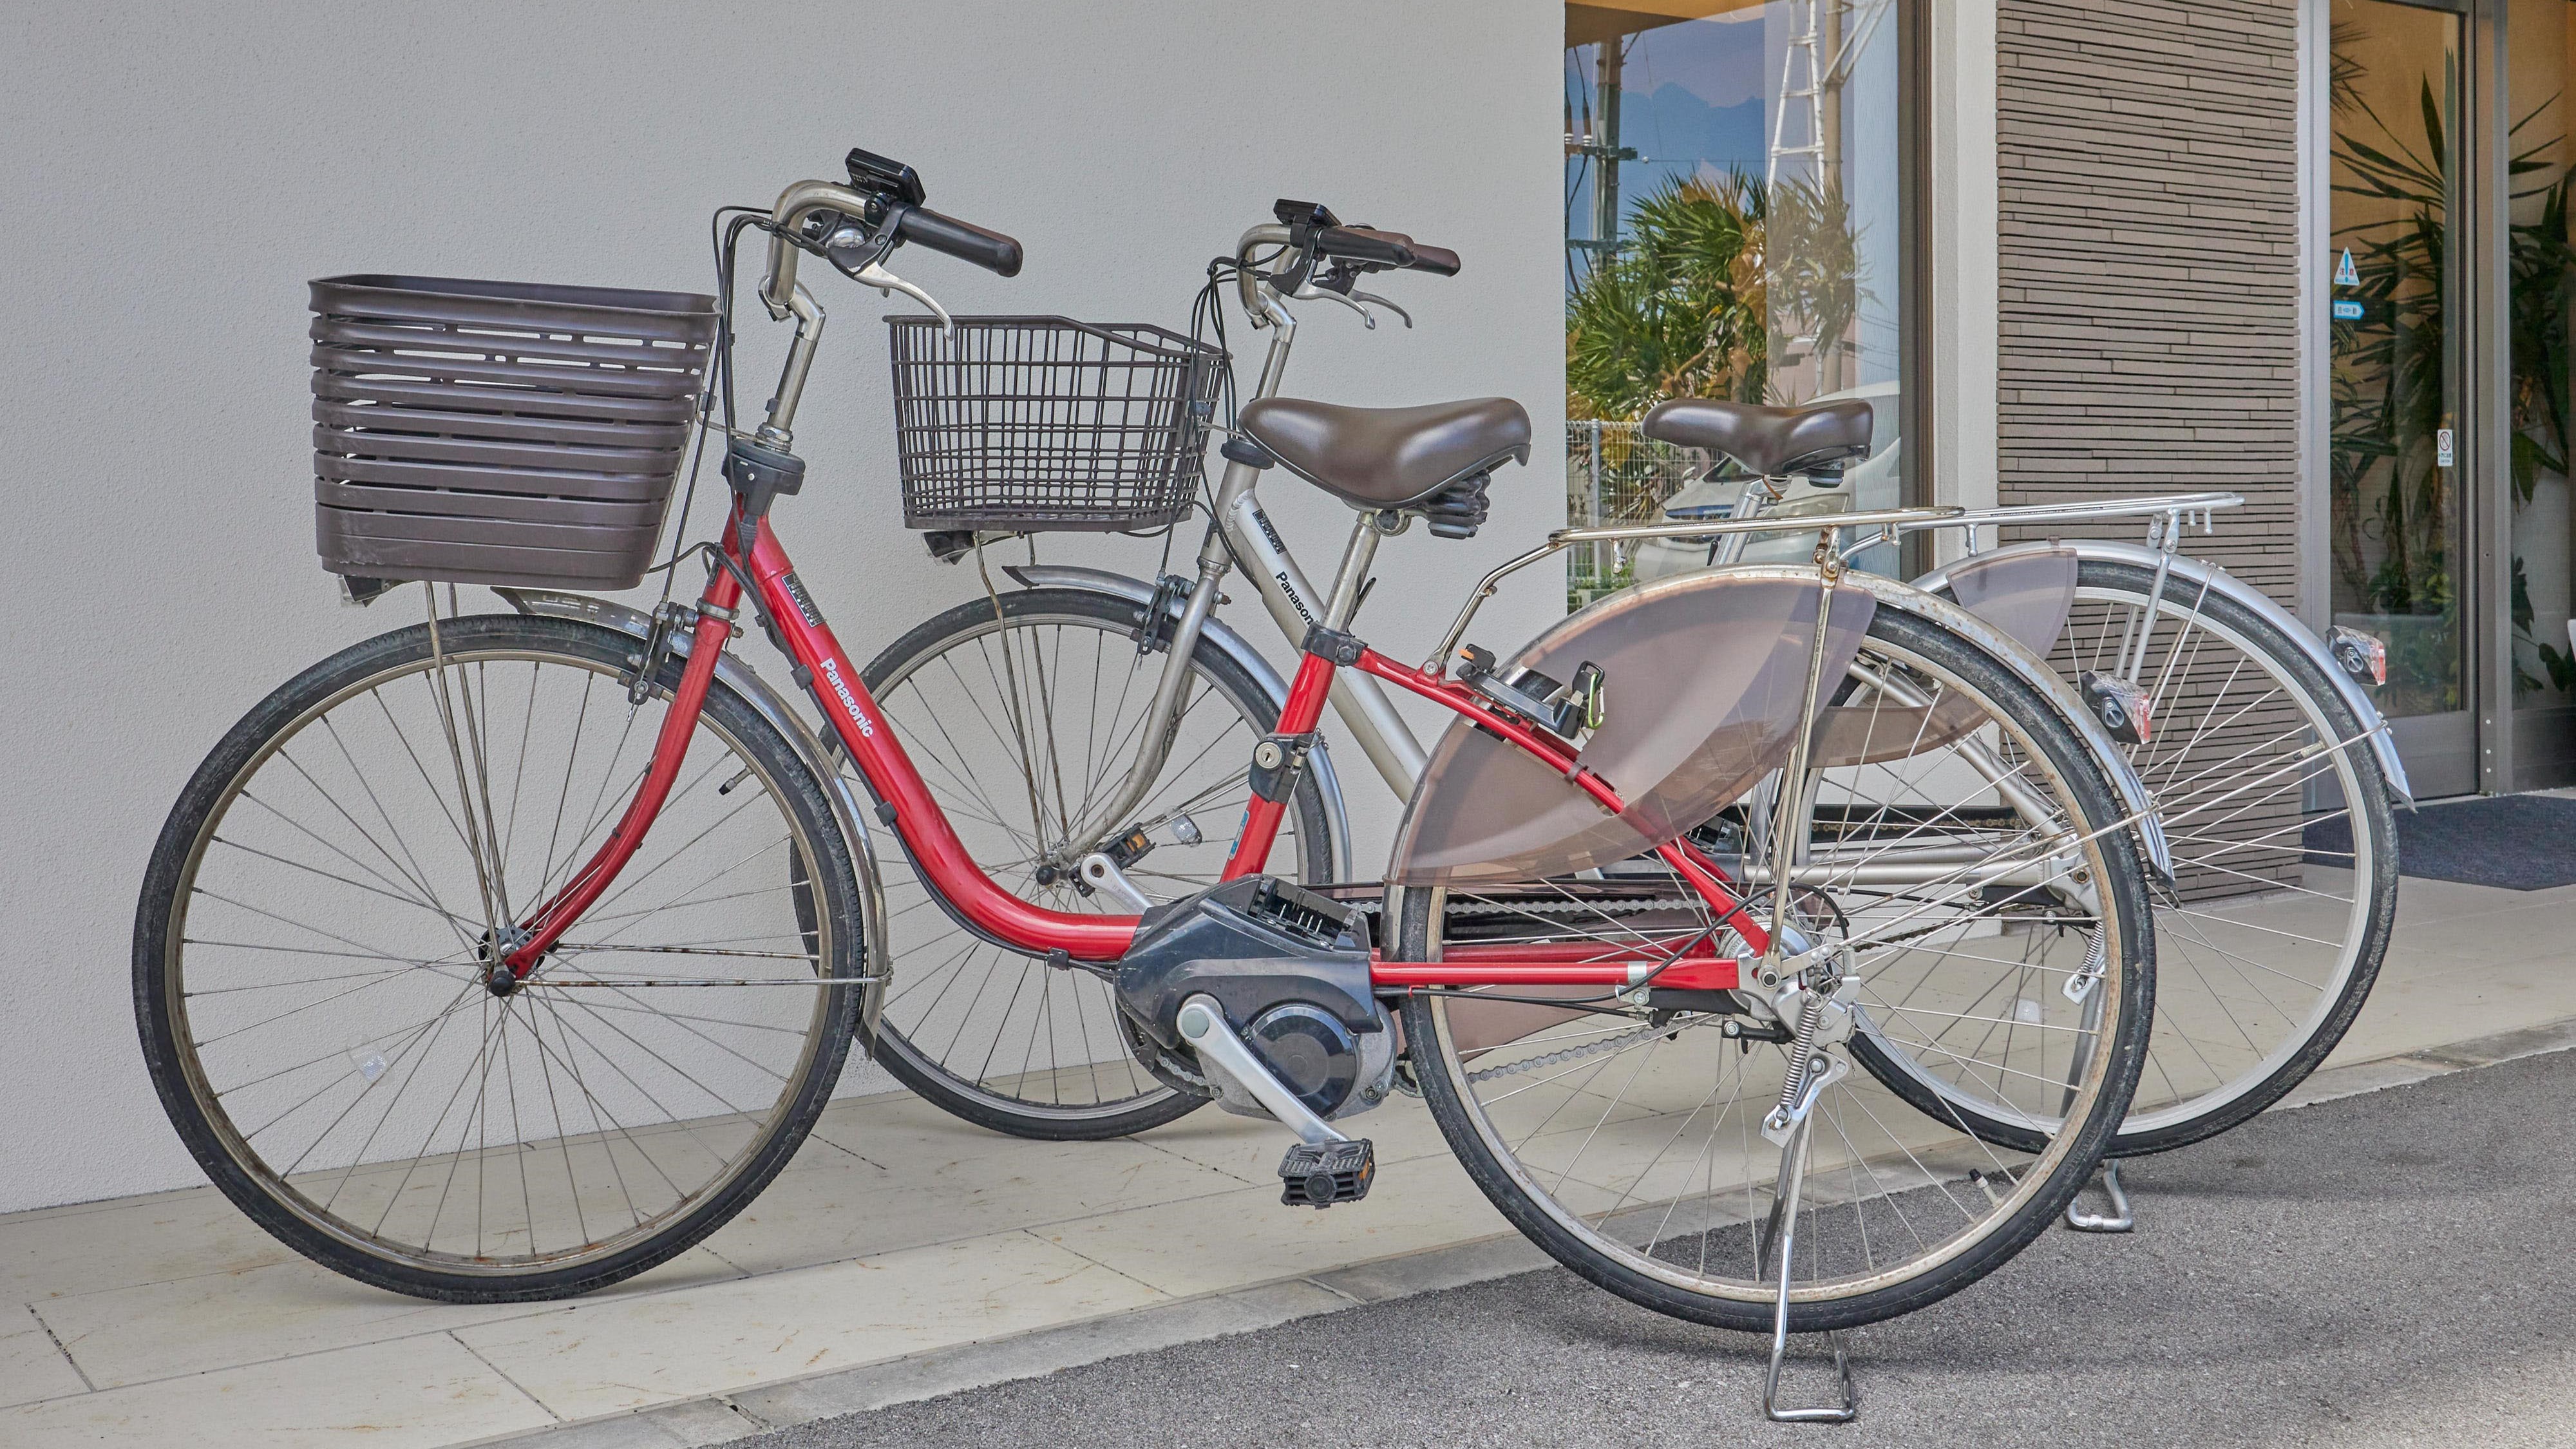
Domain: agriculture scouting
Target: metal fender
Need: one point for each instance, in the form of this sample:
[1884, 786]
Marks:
[2217, 580]
[771, 706]
[2136, 801]
[1233, 645]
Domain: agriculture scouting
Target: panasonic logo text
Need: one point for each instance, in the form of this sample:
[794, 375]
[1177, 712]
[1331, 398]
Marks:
[849, 701]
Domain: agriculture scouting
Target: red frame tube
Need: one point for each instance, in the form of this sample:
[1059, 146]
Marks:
[1690, 964]
[1304, 710]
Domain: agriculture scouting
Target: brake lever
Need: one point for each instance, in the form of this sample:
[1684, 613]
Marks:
[1312, 293]
[1358, 296]
[884, 281]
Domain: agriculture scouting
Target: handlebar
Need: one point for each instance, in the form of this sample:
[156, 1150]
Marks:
[1316, 235]
[963, 240]
[1438, 261]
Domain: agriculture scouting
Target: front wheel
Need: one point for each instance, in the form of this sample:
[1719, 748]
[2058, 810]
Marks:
[1980, 877]
[312, 964]
[1023, 713]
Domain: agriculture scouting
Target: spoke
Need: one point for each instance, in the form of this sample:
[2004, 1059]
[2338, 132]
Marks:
[333, 876]
[424, 897]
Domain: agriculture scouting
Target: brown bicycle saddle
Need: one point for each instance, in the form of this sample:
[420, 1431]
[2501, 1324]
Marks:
[1769, 441]
[1388, 457]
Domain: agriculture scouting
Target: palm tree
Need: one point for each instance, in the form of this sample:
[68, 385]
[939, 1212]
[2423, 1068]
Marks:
[1678, 310]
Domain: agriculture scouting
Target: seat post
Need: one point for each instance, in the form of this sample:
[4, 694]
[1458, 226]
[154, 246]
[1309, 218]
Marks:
[1751, 503]
[1352, 576]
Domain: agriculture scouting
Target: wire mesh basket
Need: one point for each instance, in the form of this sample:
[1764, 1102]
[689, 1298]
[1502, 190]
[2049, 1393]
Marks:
[499, 432]
[1033, 424]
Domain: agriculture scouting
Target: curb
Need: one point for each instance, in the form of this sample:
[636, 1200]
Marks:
[722, 1418]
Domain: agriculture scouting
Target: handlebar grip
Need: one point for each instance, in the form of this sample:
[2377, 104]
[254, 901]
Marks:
[1438, 261]
[1361, 244]
[965, 241]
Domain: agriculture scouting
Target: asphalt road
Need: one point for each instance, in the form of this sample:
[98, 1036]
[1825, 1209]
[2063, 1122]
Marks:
[2386, 1269]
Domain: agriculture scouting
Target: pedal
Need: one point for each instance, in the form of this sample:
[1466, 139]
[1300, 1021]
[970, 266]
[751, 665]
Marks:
[1320, 1174]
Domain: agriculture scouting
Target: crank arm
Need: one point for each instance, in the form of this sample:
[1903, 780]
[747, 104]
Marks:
[1101, 873]
[1203, 1026]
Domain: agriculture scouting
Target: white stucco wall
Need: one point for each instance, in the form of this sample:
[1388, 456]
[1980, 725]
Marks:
[173, 175]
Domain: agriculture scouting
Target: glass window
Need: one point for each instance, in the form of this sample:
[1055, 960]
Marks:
[1732, 230]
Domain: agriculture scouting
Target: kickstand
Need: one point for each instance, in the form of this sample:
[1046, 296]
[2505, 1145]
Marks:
[2120, 1219]
[1780, 1234]
[1843, 1413]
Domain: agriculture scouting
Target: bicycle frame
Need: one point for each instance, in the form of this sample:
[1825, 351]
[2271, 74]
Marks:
[754, 555]
[1240, 532]
[1687, 962]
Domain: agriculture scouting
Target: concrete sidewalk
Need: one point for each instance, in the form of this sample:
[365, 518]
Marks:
[906, 1254]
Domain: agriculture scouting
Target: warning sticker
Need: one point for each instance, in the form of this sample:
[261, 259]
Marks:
[2347, 275]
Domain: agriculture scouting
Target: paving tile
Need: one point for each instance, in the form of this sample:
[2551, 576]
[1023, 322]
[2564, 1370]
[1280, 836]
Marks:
[424, 1392]
[2425, 1000]
[1435, 1270]
[2420, 900]
[31, 1366]
[700, 1421]
[2506, 1046]
[921, 1182]
[627, 1431]
[2506, 928]
[93, 1246]
[601, 1358]
[1249, 1148]
[1246, 1236]
[191, 1325]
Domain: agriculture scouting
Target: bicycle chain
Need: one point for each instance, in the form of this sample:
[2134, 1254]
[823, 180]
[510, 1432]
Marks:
[1574, 1053]
[1560, 908]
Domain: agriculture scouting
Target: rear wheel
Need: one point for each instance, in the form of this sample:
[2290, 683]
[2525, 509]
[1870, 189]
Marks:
[2284, 852]
[312, 950]
[1022, 714]
[1628, 1140]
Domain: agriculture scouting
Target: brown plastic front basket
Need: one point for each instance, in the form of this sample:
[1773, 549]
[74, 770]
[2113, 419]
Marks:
[499, 432]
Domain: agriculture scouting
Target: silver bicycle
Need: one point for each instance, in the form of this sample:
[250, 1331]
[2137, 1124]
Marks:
[2268, 765]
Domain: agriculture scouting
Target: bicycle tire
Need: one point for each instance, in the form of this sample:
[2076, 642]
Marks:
[1654, 1279]
[826, 914]
[1165, 1093]
[2183, 986]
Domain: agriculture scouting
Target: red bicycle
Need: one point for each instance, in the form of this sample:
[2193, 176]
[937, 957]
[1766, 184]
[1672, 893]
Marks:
[504, 956]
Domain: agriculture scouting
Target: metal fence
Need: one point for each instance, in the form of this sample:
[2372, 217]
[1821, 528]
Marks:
[1615, 474]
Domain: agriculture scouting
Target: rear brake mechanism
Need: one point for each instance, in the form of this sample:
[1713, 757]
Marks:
[1823, 1015]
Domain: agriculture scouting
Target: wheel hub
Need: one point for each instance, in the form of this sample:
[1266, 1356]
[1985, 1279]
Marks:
[493, 950]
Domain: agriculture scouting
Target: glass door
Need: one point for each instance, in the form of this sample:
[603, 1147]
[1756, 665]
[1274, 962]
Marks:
[2540, 66]
[2401, 550]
